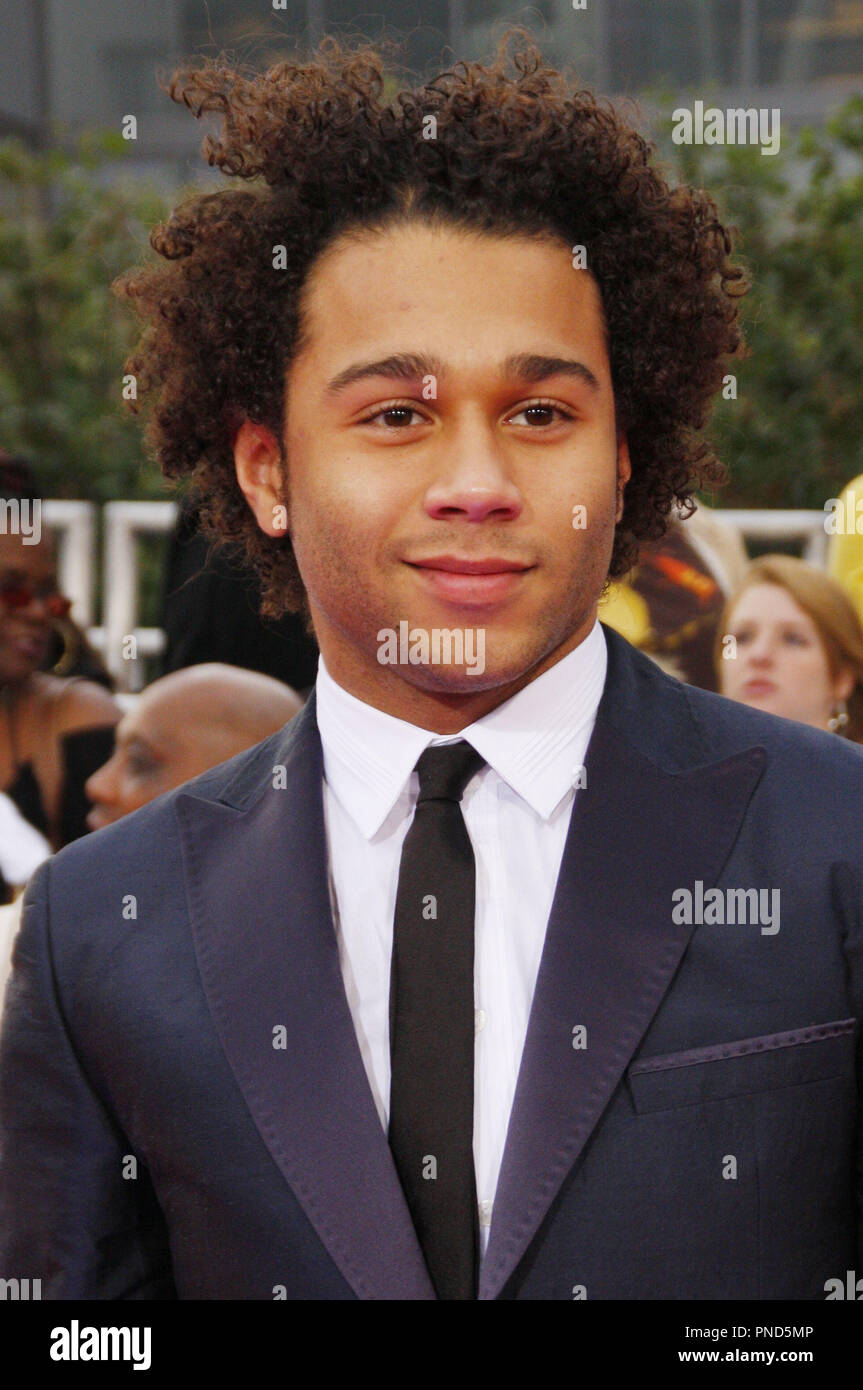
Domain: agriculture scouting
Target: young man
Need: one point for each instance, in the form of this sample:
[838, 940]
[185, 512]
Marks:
[512, 968]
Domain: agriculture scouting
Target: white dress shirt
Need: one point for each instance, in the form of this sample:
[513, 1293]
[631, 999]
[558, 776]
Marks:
[517, 811]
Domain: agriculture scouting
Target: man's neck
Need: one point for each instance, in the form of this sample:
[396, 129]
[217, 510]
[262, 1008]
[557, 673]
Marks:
[442, 712]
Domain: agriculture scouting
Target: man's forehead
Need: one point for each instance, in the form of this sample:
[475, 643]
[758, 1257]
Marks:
[363, 281]
[154, 720]
[174, 710]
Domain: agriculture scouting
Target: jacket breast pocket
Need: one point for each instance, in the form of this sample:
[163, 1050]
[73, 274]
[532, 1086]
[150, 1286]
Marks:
[744, 1066]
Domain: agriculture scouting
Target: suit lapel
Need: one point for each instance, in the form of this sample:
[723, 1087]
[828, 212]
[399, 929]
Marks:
[637, 832]
[268, 958]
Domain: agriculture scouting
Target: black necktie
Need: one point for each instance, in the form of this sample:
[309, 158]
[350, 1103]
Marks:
[432, 1022]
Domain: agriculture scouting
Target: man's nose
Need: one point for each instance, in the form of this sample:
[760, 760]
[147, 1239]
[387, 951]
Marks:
[99, 786]
[473, 480]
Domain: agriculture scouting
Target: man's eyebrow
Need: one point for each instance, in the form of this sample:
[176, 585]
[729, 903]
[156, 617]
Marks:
[534, 367]
[134, 741]
[529, 367]
[404, 366]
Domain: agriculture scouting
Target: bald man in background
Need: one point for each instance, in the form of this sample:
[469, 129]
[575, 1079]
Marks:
[183, 724]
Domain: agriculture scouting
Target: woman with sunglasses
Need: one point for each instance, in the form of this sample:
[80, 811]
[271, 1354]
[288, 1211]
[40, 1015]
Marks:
[54, 732]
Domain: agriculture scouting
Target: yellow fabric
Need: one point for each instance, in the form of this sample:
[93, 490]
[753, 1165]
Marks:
[845, 552]
[626, 611]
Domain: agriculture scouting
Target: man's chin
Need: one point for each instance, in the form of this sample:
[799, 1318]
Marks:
[453, 680]
[495, 662]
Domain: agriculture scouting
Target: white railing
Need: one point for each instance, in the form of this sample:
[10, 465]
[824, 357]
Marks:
[75, 526]
[124, 522]
[805, 528]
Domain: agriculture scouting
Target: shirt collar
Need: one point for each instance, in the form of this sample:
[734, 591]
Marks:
[530, 740]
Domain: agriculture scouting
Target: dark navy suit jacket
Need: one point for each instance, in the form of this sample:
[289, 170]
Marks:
[702, 1143]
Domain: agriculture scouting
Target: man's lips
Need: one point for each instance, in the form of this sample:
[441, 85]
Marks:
[451, 564]
[475, 583]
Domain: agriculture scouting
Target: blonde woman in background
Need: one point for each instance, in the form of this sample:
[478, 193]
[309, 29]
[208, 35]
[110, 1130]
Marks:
[797, 647]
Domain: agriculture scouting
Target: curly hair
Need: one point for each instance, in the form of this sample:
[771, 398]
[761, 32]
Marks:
[514, 153]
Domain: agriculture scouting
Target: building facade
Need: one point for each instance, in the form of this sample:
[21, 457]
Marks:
[66, 65]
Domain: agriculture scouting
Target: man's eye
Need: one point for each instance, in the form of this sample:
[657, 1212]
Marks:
[401, 411]
[140, 765]
[542, 408]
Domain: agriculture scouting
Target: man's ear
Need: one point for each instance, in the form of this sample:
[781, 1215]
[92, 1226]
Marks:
[258, 464]
[624, 472]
